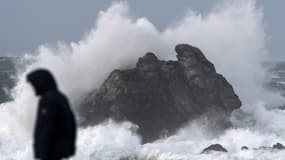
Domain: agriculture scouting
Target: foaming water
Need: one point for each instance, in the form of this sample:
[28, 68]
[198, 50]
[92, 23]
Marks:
[232, 140]
[231, 35]
[109, 141]
[264, 129]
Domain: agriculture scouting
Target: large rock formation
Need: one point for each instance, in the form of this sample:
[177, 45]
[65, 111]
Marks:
[161, 96]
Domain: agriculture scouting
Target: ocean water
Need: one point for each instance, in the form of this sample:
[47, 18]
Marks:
[115, 42]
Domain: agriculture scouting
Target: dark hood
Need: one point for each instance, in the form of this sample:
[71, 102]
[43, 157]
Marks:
[42, 81]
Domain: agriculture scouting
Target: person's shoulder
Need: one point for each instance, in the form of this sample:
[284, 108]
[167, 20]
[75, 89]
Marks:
[51, 96]
[58, 96]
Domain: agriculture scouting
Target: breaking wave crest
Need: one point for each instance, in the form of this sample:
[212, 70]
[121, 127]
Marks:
[231, 35]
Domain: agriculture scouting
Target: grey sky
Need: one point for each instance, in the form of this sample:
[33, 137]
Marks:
[25, 24]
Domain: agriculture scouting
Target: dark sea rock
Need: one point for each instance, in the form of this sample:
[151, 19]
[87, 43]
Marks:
[161, 96]
[278, 146]
[244, 148]
[282, 107]
[214, 147]
[129, 158]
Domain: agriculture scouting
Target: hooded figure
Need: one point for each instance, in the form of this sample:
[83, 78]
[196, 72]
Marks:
[55, 128]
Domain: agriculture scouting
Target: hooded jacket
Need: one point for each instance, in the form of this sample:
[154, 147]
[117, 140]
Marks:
[55, 128]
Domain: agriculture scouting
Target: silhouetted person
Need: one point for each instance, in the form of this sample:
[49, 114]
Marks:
[55, 128]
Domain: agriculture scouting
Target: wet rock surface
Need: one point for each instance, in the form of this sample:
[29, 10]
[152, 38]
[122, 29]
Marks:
[278, 146]
[214, 147]
[161, 96]
[244, 148]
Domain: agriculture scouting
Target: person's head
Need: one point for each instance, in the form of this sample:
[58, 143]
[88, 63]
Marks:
[41, 80]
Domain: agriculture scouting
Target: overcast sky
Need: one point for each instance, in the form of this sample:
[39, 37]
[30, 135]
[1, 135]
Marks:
[25, 24]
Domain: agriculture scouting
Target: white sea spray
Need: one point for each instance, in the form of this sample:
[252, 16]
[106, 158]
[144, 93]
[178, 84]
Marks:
[231, 35]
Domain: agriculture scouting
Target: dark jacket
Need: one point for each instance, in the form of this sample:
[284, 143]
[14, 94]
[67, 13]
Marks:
[55, 129]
